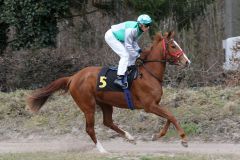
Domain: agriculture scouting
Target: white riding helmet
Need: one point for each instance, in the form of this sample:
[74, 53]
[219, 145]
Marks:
[144, 19]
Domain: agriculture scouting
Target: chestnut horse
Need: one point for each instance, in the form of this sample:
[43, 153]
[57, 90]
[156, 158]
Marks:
[146, 90]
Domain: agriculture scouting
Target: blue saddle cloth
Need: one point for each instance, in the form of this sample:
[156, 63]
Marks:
[107, 75]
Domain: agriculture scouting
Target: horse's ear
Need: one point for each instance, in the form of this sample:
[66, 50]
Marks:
[166, 34]
[170, 35]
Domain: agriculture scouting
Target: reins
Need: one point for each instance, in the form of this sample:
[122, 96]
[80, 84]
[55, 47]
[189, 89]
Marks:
[151, 73]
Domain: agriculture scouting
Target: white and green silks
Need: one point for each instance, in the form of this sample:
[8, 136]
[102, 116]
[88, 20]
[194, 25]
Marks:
[122, 38]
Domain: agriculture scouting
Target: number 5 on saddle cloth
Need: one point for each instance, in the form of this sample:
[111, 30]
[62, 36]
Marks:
[106, 77]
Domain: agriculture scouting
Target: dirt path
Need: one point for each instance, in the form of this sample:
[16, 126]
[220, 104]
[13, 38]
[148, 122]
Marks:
[117, 145]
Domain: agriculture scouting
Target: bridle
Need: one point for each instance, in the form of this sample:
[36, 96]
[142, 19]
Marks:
[165, 52]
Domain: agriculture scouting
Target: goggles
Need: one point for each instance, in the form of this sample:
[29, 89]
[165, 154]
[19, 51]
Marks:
[147, 25]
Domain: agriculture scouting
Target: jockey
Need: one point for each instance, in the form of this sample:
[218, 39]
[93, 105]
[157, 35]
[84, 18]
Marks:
[122, 38]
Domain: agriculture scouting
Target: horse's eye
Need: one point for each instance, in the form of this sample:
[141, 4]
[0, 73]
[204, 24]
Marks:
[173, 46]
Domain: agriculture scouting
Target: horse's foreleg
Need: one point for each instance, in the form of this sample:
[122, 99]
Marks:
[163, 112]
[108, 121]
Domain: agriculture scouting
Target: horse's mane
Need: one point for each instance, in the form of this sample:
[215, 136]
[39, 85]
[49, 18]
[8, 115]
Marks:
[156, 39]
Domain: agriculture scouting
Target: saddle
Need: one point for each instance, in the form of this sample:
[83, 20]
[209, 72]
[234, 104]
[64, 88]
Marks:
[107, 75]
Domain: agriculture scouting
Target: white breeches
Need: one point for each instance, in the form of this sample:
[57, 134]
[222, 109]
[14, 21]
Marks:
[118, 47]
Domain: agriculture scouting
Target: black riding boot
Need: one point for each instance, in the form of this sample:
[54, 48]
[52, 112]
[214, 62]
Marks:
[119, 81]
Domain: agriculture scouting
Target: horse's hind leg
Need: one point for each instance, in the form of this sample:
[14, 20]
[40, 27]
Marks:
[108, 121]
[91, 132]
[87, 105]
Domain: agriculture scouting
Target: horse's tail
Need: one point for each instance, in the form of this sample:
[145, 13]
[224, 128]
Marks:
[40, 96]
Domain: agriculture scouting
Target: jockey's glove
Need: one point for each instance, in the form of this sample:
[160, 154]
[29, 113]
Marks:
[139, 51]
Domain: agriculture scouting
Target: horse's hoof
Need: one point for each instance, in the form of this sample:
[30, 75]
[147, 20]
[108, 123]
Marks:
[105, 152]
[133, 141]
[184, 144]
[155, 137]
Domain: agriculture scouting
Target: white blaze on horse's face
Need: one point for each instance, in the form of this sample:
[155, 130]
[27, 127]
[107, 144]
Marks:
[183, 59]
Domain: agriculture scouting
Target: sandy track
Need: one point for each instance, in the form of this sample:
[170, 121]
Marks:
[116, 145]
